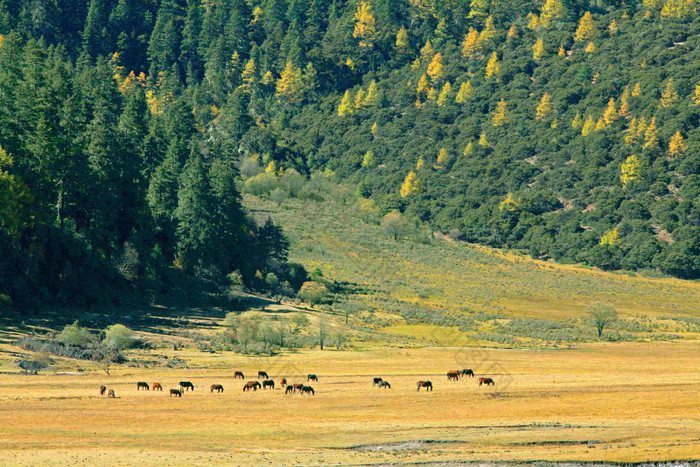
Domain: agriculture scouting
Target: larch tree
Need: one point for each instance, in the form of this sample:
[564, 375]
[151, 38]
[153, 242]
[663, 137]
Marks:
[512, 32]
[436, 68]
[478, 8]
[368, 160]
[372, 94]
[696, 94]
[588, 126]
[365, 27]
[499, 117]
[444, 94]
[586, 28]
[410, 186]
[493, 67]
[651, 139]
[610, 112]
[544, 108]
[289, 85]
[488, 33]
[624, 104]
[676, 145]
[551, 10]
[669, 96]
[470, 45]
[465, 92]
[442, 158]
[402, 42]
[630, 170]
[533, 21]
[577, 122]
[346, 107]
[538, 49]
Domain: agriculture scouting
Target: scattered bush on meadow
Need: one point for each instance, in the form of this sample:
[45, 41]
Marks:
[119, 337]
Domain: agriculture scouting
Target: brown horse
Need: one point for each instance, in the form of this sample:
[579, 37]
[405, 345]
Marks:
[376, 381]
[238, 374]
[469, 373]
[425, 384]
[453, 375]
[216, 387]
[312, 377]
[157, 387]
[283, 382]
[143, 385]
[254, 385]
[110, 393]
[486, 381]
[263, 375]
[268, 383]
[289, 389]
[175, 392]
[186, 385]
[384, 384]
[307, 390]
[103, 389]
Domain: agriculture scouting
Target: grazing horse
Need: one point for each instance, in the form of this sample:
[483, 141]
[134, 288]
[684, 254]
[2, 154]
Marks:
[175, 392]
[307, 390]
[186, 385]
[262, 374]
[453, 375]
[102, 390]
[486, 381]
[425, 384]
[297, 387]
[143, 385]
[469, 373]
[283, 382]
[110, 393]
[254, 385]
[157, 386]
[376, 381]
[238, 374]
[384, 384]
[216, 387]
[268, 383]
[289, 389]
[312, 377]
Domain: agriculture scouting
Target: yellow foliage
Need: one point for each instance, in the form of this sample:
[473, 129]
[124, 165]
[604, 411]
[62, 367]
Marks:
[631, 132]
[590, 47]
[489, 31]
[359, 98]
[271, 168]
[375, 128]
[248, 75]
[478, 8]
[465, 92]
[289, 83]
[368, 160]
[410, 186]
[669, 97]
[435, 69]
[552, 9]
[651, 139]
[470, 45]
[641, 126]
[420, 164]
[267, 78]
[432, 94]
[493, 68]
[588, 126]
[586, 28]
[482, 140]
[257, 13]
[613, 28]
[402, 39]
[427, 51]
[442, 98]
[443, 157]
[533, 21]
[562, 51]
[2, 39]
[510, 203]
[512, 32]
[611, 237]
[624, 104]
[365, 28]
[637, 90]
[610, 112]
[372, 93]
[538, 49]
[630, 170]
[600, 124]
[345, 107]
[677, 145]
[544, 107]
[416, 64]
[577, 122]
[422, 85]
[499, 116]
[469, 149]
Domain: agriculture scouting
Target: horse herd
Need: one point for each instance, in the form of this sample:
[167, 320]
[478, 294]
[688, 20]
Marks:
[183, 386]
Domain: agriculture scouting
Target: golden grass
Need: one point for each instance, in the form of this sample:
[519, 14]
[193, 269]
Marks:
[622, 402]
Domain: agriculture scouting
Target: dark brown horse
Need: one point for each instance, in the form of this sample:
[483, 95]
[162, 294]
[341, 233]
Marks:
[453, 375]
[141, 385]
[103, 389]
[297, 387]
[289, 389]
[238, 374]
[157, 387]
[376, 381]
[186, 385]
[486, 381]
[216, 387]
[312, 377]
[307, 390]
[268, 383]
[424, 384]
[385, 385]
[110, 393]
[263, 375]
[254, 385]
[175, 392]
[469, 373]
[283, 382]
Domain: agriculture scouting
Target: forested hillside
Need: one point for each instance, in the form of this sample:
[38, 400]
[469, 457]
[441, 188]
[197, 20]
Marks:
[567, 129]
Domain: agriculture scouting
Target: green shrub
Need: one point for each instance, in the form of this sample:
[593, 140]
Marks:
[119, 337]
[75, 335]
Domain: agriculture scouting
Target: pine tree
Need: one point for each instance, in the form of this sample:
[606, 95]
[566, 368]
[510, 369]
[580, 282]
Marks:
[410, 186]
[442, 98]
[637, 90]
[624, 103]
[610, 112]
[488, 33]
[562, 51]
[470, 45]
[586, 28]
[465, 92]
[469, 149]
[436, 68]
[478, 8]
[533, 21]
[368, 160]
[651, 139]
[630, 170]
[551, 11]
[669, 97]
[538, 49]
[676, 146]
[422, 85]
[372, 94]
[359, 98]
[365, 28]
[499, 117]
[346, 107]
[545, 107]
[289, 85]
[590, 48]
[588, 126]
[493, 68]
[248, 76]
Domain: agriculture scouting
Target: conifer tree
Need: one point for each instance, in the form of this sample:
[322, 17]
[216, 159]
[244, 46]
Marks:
[669, 96]
[676, 145]
[478, 8]
[442, 158]
[630, 170]
[696, 94]
[637, 90]
[469, 149]
[442, 98]
[590, 48]
[586, 28]
[493, 68]
[345, 107]
[545, 107]
[512, 32]
[372, 94]
[289, 85]
[359, 98]
[651, 139]
[488, 33]
[551, 11]
[499, 117]
[436, 68]
[538, 49]
[577, 122]
[470, 45]
[533, 21]
[562, 51]
[588, 126]
[610, 112]
[365, 28]
[402, 42]
[368, 160]
[483, 142]
[410, 186]
[624, 103]
[465, 92]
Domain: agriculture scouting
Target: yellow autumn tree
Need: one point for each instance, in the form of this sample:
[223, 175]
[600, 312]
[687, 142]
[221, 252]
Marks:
[359, 98]
[510, 203]
[368, 160]
[630, 170]
[372, 94]
[422, 86]
[611, 237]
[651, 139]
[488, 33]
[410, 186]
[669, 97]
[590, 48]
[636, 90]
[624, 103]
[493, 68]
[436, 68]
[588, 126]
[478, 8]
[677, 145]
[696, 94]
[612, 28]
[402, 39]
[442, 98]
[512, 32]
[577, 122]
[248, 75]
[499, 117]
[533, 21]
[346, 107]
[465, 92]
[610, 112]
[470, 45]
[289, 85]
[365, 28]
[420, 164]
[586, 28]
[442, 158]
[483, 142]
[551, 10]
[562, 51]
[544, 108]
[469, 149]
[538, 49]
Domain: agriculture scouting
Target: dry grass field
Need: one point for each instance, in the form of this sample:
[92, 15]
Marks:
[627, 402]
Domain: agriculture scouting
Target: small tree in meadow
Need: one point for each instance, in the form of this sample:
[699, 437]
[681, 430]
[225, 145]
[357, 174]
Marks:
[603, 315]
[119, 337]
[75, 335]
[313, 292]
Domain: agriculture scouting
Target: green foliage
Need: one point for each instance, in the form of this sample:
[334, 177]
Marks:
[119, 337]
[76, 335]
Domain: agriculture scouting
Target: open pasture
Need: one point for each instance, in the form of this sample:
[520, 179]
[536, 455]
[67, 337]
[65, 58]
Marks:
[621, 402]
